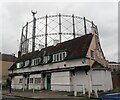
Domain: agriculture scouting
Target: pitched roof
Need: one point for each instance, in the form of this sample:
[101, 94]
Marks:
[27, 56]
[7, 57]
[77, 48]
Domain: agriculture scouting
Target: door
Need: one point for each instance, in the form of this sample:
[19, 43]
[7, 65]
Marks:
[49, 82]
[27, 83]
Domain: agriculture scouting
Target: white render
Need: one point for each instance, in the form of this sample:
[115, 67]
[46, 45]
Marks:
[15, 82]
[101, 80]
[60, 81]
[36, 86]
[66, 81]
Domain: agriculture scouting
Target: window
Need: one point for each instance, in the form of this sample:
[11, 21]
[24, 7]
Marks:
[57, 59]
[59, 56]
[36, 61]
[32, 62]
[46, 59]
[64, 55]
[27, 63]
[92, 53]
[20, 80]
[31, 80]
[19, 65]
[54, 57]
[37, 80]
[39, 60]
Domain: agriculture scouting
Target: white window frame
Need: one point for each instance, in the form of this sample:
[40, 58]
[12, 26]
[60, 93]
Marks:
[46, 59]
[56, 57]
[32, 62]
[37, 80]
[64, 54]
[18, 65]
[27, 62]
[31, 82]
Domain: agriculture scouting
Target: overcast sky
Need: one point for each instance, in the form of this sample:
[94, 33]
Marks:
[105, 16]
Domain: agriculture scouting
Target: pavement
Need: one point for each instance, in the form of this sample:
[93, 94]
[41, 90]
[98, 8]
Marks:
[43, 94]
[4, 97]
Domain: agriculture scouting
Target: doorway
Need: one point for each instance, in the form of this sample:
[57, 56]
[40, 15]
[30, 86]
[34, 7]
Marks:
[48, 82]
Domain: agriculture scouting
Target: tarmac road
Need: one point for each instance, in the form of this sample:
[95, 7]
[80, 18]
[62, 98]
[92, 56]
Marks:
[4, 97]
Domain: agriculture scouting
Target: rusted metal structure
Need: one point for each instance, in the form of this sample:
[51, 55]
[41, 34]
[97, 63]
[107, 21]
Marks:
[43, 31]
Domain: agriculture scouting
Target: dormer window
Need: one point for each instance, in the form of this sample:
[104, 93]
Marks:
[59, 56]
[36, 61]
[20, 64]
[32, 62]
[27, 63]
[46, 59]
[64, 54]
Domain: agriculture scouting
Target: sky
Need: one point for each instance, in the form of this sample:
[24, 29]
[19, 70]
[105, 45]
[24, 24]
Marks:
[14, 15]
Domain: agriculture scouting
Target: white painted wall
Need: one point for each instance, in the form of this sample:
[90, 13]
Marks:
[81, 80]
[61, 81]
[36, 86]
[98, 78]
[108, 80]
[64, 81]
[101, 80]
[15, 82]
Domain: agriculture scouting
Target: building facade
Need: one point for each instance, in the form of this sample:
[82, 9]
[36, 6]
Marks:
[75, 65]
[6, 62]
[115, 68]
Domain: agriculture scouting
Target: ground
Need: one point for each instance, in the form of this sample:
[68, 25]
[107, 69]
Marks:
[41, 95]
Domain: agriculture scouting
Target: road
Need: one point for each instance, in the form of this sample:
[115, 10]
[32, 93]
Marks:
[4, 97]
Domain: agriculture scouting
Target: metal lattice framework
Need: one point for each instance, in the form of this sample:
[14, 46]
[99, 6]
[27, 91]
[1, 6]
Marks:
[45, 30]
